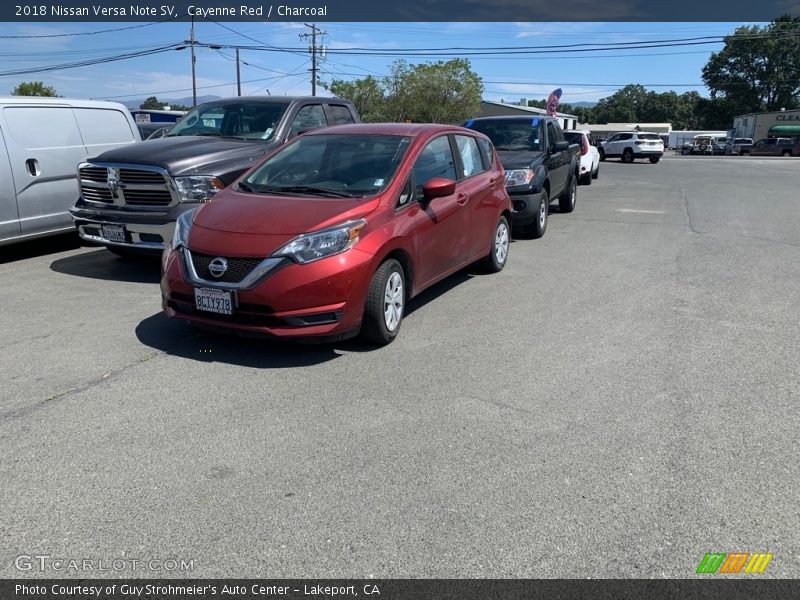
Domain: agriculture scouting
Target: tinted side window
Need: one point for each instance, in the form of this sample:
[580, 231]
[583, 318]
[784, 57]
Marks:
[40, 127]
[339, 115]
[309, 117]
[613, 138]
[551, 137]
[435, 160]
[625, 136]
[471, 162]
[488, 152]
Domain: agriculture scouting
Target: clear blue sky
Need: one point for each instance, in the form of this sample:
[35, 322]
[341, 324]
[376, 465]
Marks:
[584, 77]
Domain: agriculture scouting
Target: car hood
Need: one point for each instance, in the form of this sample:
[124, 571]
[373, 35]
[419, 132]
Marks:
[259, 214]
[185, 155]
[523, 159]
[235, 224]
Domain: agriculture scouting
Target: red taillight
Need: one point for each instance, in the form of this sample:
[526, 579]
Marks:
[640, 142]
[584, 145]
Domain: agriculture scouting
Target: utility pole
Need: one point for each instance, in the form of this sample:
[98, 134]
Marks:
[238, 76]
[194, 79]
[315, 31]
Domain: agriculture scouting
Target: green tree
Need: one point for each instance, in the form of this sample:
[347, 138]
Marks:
[152, 103]
[366, 94]
[440, 92]
[33, 88]
[758, 69]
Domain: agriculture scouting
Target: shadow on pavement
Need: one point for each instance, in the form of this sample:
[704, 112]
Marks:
[179, 338]
[39, 247]
[102, 264]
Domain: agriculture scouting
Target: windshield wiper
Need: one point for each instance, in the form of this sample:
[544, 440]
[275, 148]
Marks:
[306, 189]
[244, 187]
[205, 133]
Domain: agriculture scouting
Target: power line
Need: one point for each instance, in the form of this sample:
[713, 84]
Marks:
[98, 32]
[90, 62]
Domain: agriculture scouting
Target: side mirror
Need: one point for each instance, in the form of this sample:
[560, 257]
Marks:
[438, 187]
[560, 147]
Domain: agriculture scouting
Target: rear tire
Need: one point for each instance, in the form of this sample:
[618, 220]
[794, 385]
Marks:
[567, 199]
[654, 159]
[385, 305]
[586, 179]
[498, 252]
[596, 173]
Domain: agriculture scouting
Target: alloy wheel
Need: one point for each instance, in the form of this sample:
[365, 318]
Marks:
[393, 300]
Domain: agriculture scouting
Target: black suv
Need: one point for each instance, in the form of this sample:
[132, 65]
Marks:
[131, 197]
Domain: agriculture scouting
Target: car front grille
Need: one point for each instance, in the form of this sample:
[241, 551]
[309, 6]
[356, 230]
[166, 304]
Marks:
[244, 314]
[111, 184]
[238, 268]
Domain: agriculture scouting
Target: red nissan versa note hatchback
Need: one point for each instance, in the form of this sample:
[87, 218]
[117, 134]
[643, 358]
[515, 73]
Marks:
[334, 232]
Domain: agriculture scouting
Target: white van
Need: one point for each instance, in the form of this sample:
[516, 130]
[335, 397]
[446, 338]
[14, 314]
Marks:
[42, 140]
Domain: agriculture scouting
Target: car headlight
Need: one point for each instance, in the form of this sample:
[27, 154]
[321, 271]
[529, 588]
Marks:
[197, 188]
[313, 246]
[182, 228]
[516, 177]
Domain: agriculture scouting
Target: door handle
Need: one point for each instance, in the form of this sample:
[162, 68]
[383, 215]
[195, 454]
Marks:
[462, 199]
[33, 167]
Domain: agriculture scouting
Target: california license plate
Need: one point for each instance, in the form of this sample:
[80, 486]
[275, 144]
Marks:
[213, 300]
[114, 233]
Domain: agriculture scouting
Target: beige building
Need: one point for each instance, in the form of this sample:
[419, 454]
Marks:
[758, 126]
[503, 109]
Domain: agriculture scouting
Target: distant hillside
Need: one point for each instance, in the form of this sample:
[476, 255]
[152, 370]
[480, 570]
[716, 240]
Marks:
[583, 104]
[173, 101]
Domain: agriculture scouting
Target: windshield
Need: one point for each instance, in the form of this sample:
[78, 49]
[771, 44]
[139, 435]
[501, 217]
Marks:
[344, 166]
[247, 121]
[511, 134]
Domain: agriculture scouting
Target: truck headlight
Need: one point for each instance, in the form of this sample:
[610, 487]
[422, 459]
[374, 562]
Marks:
[197, 188]
[313, 246]
[516, 177]
[182, 228]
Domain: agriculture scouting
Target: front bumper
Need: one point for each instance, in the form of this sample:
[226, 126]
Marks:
[323, 300]
[525, 208]
[143, 230]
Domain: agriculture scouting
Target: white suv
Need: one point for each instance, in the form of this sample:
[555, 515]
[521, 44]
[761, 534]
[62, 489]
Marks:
[630, 145]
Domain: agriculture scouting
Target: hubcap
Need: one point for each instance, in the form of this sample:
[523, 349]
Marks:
[543, 213]
[501, 243]
[393, 301]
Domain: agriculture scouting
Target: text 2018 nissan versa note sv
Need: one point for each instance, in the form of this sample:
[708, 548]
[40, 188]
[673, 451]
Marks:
[333, 233]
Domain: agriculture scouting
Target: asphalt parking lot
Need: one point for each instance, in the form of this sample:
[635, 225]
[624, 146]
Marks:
[620, 400]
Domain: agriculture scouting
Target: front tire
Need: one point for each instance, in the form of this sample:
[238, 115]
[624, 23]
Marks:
[786, 153]
[385, 305]
[567, 199]
[627, 156]
[498, 253]
[536, 229]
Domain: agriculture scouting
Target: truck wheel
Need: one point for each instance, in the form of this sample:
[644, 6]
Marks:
[536, 229]
[627, 156]
[567, 199]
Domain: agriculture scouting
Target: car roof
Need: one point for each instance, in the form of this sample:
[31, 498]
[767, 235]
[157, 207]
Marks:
[277, 99]
[50, 101]
[407, 129]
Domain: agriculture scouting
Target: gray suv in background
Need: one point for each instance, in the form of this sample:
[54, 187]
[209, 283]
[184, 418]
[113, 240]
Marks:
[131, 197]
